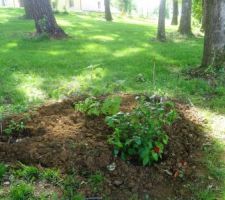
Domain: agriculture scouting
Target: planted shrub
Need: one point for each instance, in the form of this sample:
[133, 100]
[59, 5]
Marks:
[139, 135]
[93, 107]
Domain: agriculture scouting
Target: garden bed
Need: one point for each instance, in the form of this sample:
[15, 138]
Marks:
[57, 136]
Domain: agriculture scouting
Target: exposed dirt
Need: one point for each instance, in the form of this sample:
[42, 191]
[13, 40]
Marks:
[58, 136]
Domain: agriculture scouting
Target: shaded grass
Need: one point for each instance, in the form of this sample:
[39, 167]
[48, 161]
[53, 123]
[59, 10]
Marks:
[34, 69]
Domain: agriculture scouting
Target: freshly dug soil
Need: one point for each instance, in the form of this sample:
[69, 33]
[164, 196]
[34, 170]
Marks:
[57, 136]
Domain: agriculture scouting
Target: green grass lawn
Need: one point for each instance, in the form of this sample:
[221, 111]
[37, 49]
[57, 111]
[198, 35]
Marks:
[101, 57]
[97, 56]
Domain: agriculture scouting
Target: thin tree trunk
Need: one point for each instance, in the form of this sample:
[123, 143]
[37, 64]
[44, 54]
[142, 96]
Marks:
[214, 46]
[185, 21]
[3, 3]
[108, 15]
[175, 13]
[203, 16]
[45, 21]
[161, 34]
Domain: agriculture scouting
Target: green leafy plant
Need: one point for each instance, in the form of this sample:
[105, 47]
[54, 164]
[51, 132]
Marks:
[93, 107]
[90, 106]
[96, 181]
[78, 197]
[139, 135]
[14, 127]
[111, 105]
[3, 170]
[70, 186]
[51, 175]
[29, 173]
[21, 191]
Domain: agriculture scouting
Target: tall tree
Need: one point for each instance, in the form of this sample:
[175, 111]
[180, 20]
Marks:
[214, 45]
[185, 21]
[108, 14]
[45, 21]
[161, 34]
[175, 13]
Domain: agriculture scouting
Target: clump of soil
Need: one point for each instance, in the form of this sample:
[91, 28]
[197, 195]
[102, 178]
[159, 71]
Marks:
[57, 136]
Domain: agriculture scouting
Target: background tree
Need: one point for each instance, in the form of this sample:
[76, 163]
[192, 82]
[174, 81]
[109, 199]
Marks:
[161, 34]
[108, 15]
[125, 6]
[175, 13]
[203, 16]
[45, 21]
[214, 45]
[28, 14]
[3, 3]
[185, 21]
[199, 12]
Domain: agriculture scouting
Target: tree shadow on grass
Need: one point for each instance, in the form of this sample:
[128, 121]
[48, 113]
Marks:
[121, 50]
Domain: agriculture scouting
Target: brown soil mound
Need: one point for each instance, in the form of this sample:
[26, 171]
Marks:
[58, 136]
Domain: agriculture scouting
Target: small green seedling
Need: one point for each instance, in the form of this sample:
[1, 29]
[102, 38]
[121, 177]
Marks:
[14, 127]
[96, 181]
[70, 186]
[21, 191]
[93, 107]
[29, 173]
[51, 175]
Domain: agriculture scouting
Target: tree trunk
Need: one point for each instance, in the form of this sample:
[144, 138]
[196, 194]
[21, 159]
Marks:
[3, 3]
[175, 13]
[161, 34]
[203, 16]
[14, 3]
[66, 6]
[28, 14]
[185, 21]
[45, 21]
[108, 15]
[214, 46]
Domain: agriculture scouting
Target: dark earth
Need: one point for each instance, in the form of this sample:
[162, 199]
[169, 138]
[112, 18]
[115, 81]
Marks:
[57, 136]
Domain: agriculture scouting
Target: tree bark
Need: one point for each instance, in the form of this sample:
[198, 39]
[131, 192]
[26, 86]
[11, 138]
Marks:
[28, 14]
[175, 13]
[108, 15]
[161, 34]
[185, 21]
[214, 45]
[45, 21]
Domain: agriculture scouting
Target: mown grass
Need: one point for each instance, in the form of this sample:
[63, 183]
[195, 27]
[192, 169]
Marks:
[98, 54]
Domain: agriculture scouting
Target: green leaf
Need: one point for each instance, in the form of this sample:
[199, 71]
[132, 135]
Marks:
[155, 156]
[165, 139]
[146, 160]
